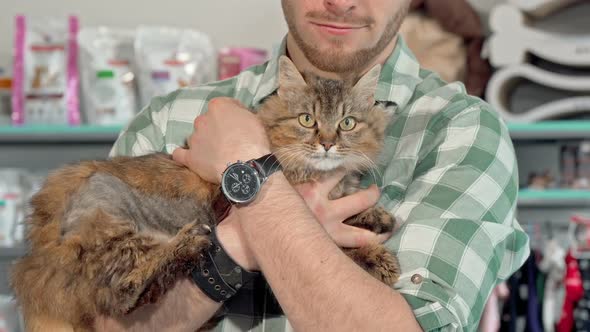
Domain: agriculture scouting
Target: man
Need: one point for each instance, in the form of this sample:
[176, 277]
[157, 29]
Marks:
[451, 182]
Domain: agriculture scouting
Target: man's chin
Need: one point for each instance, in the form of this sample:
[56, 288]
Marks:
[334, 64]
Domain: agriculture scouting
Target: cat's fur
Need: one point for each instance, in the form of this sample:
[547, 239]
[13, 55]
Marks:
[106, 236]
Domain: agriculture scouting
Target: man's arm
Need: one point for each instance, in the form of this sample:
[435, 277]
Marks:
[459, 236]
[185, 304]
[318, 286]
[183, 308]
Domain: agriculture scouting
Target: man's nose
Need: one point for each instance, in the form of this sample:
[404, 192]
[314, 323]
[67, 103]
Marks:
[339, 7]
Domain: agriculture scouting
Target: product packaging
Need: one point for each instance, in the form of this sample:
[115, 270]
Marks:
[12, 195]
[45, 84]
[170, 58]
[5, 98]
[107, 70]
[10, 317]
[233, 60]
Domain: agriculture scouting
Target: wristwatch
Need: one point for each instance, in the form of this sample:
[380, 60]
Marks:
[241, 181]
[217, 275]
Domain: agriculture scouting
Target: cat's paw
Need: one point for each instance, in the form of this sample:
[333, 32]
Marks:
[375, 219]
[191, 242]
[126, 293]
[376, 260]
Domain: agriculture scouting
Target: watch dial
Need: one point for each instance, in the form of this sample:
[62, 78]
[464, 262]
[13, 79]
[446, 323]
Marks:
[240, 183]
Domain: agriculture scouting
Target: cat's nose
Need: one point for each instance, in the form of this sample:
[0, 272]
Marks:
[327, 145]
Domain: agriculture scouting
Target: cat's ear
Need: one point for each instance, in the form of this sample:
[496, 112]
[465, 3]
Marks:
[289, 77]
[366, 85]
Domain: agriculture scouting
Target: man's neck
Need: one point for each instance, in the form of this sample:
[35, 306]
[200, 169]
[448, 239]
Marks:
[303, 64]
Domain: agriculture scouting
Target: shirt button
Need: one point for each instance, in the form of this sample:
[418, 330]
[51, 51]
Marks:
[417, 279]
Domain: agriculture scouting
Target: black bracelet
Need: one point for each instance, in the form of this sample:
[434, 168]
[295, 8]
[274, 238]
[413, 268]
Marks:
[219, 276]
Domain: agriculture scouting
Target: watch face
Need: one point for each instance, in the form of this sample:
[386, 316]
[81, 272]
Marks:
[240, 183]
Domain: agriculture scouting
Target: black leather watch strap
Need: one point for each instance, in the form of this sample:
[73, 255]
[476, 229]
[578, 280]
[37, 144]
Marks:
[267, 165]
[218, 276]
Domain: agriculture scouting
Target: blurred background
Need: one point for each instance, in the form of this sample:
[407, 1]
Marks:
[74, 73]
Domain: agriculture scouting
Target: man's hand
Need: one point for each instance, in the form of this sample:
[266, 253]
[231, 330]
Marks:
[332, 213]
[228, 132]
[231, 237]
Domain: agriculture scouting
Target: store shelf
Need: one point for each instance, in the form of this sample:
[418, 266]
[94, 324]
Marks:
[10, 253]
[549, 130]
[553, 197]
[62, 134]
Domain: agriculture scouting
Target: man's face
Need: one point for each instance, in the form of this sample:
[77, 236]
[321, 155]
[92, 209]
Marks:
[343, 35]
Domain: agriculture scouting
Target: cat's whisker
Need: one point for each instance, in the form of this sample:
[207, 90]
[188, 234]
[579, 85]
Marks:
[364, 169]
[367, 163]
[370, 162]
[287, 149]
[289, 155]
[290, 159]
[274, 162]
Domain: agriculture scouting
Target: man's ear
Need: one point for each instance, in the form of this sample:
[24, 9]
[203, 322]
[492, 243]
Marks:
[289, 77]
[366, 85]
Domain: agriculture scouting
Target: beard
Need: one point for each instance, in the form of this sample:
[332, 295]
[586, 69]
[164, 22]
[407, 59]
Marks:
[336, 60]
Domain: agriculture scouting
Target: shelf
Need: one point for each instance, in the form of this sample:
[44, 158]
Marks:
[549, 130]
[12, 252]
[553, 197]
[65, 134]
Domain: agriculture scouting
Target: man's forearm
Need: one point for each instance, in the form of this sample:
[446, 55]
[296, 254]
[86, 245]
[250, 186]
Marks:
[318, 286]
[182, 308]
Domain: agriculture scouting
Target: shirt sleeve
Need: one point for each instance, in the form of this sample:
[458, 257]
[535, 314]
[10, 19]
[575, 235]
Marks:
[146, 132]
[458, 236]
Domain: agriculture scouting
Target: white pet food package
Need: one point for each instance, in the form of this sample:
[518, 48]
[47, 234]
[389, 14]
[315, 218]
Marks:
[170, 58]
[10, 317]
[107, 70]
[45, 83]
[12, 206]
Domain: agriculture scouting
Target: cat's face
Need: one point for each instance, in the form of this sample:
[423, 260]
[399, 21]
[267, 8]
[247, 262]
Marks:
[324, 124]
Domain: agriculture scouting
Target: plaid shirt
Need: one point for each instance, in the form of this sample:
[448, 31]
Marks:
[448, 174]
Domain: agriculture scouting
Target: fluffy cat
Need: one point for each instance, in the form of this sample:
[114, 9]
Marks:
[107, 236]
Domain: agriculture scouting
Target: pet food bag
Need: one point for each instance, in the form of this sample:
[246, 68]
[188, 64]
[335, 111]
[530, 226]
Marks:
[5, 98]
[45, 83]
[12, 206]
[233, 60]
[10, 316]
[107, 70]
[170, 58]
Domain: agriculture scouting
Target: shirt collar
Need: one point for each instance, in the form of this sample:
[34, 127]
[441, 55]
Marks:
[398, 80]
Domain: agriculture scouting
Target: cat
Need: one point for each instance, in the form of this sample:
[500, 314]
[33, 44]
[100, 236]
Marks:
[107, 236]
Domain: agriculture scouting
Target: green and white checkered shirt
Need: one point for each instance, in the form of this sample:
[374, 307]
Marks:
[449, 177]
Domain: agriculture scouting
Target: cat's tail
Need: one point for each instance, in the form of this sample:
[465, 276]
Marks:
[43, 294]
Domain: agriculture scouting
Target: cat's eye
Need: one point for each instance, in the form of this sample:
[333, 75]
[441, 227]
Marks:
[306, 120]
[347, 124]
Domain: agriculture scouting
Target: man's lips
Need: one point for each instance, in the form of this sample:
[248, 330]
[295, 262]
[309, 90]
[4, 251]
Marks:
[335, 28]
